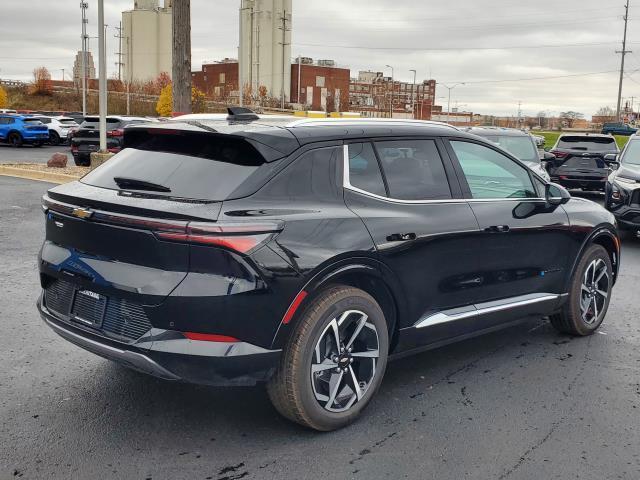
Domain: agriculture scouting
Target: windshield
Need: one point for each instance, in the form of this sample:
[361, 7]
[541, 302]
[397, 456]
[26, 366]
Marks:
[632, 153]
[588, 144]
[520, 147]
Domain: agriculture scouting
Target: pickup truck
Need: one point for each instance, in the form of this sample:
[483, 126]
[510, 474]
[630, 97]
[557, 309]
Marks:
[618, 129]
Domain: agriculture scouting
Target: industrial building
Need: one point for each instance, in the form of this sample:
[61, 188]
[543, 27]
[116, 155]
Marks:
[146, 40]
[77, 67]
[265, 47]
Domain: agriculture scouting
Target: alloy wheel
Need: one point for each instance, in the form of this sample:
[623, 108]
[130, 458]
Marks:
[344, 363]
[594, 291]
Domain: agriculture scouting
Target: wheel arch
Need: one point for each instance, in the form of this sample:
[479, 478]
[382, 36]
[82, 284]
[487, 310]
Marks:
[609, 241]
[366, 274]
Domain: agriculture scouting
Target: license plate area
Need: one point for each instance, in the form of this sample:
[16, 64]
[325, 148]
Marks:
[88, 308]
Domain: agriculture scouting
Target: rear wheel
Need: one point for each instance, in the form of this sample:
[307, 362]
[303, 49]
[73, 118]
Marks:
[334, 361]
[15, 139]
[589, 296]
[54, 138]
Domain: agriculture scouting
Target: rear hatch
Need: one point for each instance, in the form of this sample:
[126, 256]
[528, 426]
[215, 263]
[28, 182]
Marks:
[33, 125]
[581, 157]
[124, 231]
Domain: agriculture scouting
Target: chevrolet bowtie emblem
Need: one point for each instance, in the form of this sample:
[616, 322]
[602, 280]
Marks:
[81, 213]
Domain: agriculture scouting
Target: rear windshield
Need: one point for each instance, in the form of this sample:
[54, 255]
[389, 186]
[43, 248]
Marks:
[32, 121]
[588, 144]
[68, 121]
[520, 147]
[94, 122]
[202, 167]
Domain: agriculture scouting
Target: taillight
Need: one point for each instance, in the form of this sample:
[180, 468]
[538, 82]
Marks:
[119, 132]
[208, 337]
[114, 150]
[559, 154]
[241, 237]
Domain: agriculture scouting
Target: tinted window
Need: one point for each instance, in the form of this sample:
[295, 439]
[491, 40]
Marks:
[631, 155]
[520, 147]
[94, 123]
[414, 170]
[44, 120]
[68, 122]
[198, 166]
[364, 171]
[587, 144]
[32, 121]
[491, 174]
[312, 176]
[6, 121]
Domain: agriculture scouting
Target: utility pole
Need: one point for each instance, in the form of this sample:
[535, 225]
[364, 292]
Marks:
[299, 77]
[284, 63]
[240, 57]
[102, 78]
[519, 112]
[623, 53]
[392, 90]
[413, 95]
[119, 63]
[181, 75]
[83, 6]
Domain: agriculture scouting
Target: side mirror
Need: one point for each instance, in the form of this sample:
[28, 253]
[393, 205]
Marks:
[556, 194]
[548, 156]
[611, 159]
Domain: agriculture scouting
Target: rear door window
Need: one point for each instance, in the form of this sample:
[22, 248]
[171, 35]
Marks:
[94, 123]
[195, 166]
[588, 144]
[413, 170]
[364, 170]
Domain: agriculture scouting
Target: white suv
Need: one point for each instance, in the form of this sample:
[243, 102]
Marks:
[59, 128]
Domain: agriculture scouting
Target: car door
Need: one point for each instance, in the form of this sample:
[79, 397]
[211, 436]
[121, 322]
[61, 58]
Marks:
[4, 127]
[407, 194]
[523, 243]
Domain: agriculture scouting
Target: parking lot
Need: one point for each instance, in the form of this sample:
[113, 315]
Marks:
[28, 154]
[522, 403]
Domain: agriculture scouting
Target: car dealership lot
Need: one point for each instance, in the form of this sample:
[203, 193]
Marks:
[28, 154]
[522, 403]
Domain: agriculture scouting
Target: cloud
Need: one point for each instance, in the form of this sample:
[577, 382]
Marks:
[454, 41]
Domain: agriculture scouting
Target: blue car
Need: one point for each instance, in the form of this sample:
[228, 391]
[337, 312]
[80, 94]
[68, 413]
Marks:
[17, 130]
[618, 129]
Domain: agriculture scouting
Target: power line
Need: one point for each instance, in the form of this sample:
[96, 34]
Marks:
[445, 49]
[552, 77]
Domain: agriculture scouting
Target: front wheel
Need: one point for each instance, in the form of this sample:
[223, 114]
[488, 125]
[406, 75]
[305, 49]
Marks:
[54, 138]
[334, 360]
[589, 295]
[15, 139]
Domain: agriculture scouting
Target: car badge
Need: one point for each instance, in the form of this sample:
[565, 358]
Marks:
[81, 213]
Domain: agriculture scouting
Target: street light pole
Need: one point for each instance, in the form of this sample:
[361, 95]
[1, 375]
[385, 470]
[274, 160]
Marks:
[392, 90]
[102, 79]
[449, 101]
[413, 95]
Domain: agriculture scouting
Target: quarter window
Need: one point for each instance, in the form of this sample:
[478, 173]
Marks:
[364, 170]
[491, 174]
[414, 170]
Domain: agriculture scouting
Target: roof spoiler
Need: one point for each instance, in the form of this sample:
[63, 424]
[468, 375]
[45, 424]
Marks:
[241, 114]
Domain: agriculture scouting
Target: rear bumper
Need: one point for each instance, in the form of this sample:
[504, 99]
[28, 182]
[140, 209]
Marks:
[168, 355]
[576, 182]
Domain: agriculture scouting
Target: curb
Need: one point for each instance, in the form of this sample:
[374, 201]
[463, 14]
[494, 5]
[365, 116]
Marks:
[28, 174]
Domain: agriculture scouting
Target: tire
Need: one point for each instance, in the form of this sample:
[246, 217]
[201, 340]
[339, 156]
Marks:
[578, 321]
[298, 394]
[15, 139]
[37, 144]
[81, 163]
[54, 138]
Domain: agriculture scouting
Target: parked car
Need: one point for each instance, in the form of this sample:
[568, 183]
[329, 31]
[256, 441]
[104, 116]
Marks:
[618, 128]
[18, 130]
[517, 142]
[581, 160]
[540, 140]
[86, 139]
[623, 187]
[59, 128]
[7, 110]
[307, 253]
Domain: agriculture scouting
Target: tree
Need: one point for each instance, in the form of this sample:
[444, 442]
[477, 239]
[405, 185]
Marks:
[197, 100]
[41, 82]
[570, 117]
[4, 98]
[164, 107]
[606, 112]
[182, 56]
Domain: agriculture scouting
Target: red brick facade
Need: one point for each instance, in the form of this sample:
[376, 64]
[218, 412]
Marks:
[321, 88]
[218, 80]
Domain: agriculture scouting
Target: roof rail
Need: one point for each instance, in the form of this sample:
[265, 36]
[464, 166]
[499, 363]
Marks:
[365, 121]
[241, 114]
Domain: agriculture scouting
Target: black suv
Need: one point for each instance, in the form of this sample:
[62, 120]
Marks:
[86, 139]
[623, 187]
[581, 160]
[307, 253]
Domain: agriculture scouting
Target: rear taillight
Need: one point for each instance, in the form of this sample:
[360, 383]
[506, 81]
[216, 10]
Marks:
[559, 154]
[208, 337]
[119, 132]
[241, 237]
[114, 150]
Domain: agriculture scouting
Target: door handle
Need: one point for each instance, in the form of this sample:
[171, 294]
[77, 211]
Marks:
[401, 237]
[498, 229]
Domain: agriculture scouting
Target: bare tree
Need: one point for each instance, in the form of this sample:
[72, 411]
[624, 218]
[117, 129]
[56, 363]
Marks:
[181, 73]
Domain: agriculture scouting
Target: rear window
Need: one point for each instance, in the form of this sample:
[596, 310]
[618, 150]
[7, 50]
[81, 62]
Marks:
[32, 121]
[94, 122]
[68, 121]
[588, 144]
[195, 166]
[520, 147]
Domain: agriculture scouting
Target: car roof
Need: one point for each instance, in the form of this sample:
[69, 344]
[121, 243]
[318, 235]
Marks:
[494, 131]
[586, 135]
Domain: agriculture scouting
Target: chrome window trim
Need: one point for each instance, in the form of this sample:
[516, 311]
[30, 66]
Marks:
[477, 310]
[346, 183]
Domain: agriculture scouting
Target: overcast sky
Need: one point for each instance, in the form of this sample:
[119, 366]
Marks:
[472, 41]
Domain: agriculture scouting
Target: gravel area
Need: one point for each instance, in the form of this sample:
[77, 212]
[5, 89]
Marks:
[75, 171]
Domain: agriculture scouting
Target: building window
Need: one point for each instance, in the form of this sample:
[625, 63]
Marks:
[222, 78]
[319, 81]
[205, 78]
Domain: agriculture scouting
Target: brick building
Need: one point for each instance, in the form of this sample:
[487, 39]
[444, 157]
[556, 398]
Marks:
[218, 80]
[323, 85]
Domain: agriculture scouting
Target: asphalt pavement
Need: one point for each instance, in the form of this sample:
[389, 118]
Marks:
[523, 403]
[29, 154]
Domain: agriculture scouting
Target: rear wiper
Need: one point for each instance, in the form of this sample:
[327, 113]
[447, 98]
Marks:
[135, 184]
